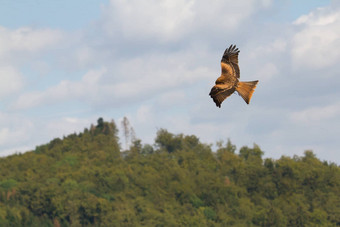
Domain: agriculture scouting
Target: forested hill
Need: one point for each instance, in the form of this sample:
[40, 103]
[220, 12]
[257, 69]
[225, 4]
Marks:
[86, 180]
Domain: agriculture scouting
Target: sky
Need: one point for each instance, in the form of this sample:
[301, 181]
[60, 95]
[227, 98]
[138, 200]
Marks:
[64, 64]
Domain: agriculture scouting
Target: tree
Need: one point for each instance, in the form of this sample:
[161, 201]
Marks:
[168, 141]
[82, 180]
[128, 132]
[251, 153]
[100, 123]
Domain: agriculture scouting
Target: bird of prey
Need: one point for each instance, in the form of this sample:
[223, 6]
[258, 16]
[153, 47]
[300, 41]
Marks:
[229, 82]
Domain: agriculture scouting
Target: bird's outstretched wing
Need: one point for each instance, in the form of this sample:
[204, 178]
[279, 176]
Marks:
[230, 58]
[219, 94]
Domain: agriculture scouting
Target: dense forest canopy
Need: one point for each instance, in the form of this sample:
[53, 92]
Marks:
[86, 179]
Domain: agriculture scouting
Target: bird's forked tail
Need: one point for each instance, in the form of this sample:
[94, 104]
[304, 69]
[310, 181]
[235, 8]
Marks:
[246, 89]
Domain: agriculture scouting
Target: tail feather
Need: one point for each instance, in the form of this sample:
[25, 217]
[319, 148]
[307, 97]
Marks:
[246, 89]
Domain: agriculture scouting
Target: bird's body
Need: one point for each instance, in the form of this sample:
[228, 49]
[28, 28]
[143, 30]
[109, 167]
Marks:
[228, 82]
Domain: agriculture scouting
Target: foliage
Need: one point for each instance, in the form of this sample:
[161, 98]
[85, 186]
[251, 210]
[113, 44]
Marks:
[86, 180]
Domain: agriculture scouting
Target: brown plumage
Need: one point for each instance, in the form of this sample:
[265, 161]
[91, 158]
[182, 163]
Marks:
[229, 82]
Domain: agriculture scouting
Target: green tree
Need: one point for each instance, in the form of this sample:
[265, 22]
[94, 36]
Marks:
[86, 179]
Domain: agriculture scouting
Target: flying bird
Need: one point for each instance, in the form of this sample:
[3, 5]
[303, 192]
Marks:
[229, 82]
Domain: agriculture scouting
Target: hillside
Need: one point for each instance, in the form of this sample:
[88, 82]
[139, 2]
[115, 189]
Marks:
[86, 180]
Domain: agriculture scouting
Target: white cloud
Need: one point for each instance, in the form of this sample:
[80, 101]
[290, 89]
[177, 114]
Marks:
[127, 81]
[160, 18]
[157, 74]
[276, 46]
[11, 80]
[20, 133]
[317, 44]
[66, 125]
[172, 98]
[156, 61]
[27, 40]
[319, 17]
[83, 55]
[66, 90]
[15, 131]
[266, 73]
[144, 114]
[169, 20]
[316, 115]
[28, 100]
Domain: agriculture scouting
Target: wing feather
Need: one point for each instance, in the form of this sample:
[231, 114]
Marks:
[219, 95]
[227, 68]
[230, 57]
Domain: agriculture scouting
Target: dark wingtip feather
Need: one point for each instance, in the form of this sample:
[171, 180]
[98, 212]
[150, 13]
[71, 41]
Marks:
[232, 50]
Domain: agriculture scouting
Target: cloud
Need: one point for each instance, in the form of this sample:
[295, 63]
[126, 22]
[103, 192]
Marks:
[162, 19]
[266, 73]
[131, 76]
[317, 44]
[65, 126]
[19, 133]
[169, 99]
[15, 131]
[26, 40]
[158, 73]
[167, 21]
[66, 90]
[132, 80]
[156, 62]
[316, 114]
[11, 80]
[144, 114]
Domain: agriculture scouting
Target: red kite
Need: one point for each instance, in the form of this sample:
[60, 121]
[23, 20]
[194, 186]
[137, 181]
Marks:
[229, 82]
